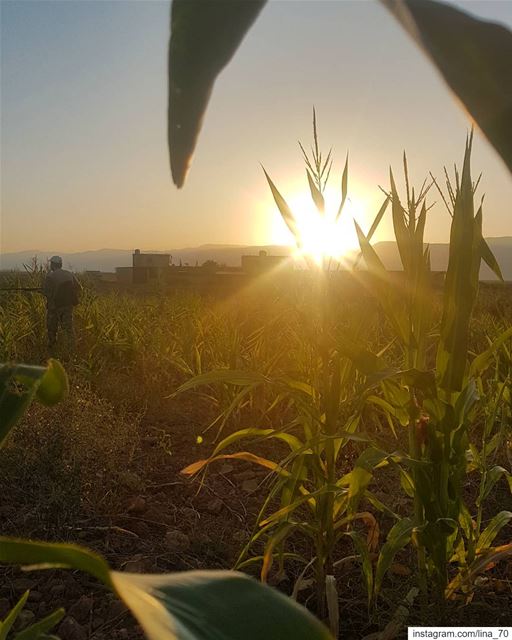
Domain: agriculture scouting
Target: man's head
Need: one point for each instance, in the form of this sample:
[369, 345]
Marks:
[55, 263]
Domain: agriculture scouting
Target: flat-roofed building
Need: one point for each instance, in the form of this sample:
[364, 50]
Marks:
[263, 263]
[149, 267]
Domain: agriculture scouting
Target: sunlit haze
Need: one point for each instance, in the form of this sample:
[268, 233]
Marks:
[84, 159]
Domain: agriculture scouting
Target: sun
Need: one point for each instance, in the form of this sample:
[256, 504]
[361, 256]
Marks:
[322, 235]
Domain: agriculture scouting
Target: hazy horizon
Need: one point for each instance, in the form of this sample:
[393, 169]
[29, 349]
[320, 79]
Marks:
[84, 160]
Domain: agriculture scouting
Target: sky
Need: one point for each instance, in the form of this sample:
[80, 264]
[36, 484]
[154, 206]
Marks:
[84, 159]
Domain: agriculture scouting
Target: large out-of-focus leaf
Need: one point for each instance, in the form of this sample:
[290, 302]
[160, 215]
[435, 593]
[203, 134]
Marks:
[204, 36]
[20, 383]
[474, 57]
[193, 605]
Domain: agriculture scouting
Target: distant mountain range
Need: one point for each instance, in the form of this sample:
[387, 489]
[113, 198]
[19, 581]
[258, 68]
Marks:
[230, 255]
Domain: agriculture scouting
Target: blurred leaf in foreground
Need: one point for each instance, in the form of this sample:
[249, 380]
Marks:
[192, 605]
[204, 36]
[475, 59]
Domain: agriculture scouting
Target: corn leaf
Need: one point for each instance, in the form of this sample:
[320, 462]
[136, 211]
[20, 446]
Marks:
[492, 477]
[41, 628]
[461, 284]
[20, 384]
[204, 37]
[398, 537]
[344, 188]
[490, 260]
[484, 359]
[473, 57]
[6, 625]
[285, 211]
[317, 197]
[193, 605]
[493, 528]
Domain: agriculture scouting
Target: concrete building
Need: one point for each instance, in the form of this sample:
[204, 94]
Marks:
[263, 263]
[149, 267]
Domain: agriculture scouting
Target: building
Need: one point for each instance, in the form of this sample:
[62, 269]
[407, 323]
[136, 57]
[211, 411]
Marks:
[263, 263]
[149, 267]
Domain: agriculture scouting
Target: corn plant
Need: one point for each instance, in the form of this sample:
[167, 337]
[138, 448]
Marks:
[317, 492]
[439, 407]
[194, 604]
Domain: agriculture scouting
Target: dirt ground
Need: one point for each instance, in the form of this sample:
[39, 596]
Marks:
[90, 473]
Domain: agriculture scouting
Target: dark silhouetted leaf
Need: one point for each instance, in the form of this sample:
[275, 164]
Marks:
[204, 36]
[475, 59]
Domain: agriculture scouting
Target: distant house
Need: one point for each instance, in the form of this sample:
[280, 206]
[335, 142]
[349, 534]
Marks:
[263, 263]
[149, 267]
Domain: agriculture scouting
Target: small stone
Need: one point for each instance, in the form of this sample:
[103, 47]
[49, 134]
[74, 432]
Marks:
[23, 584]
[25, 617]
[69, 629]
[215, 505]
[250, 486]
[226, 468]
[81, 609]
[154, 514]
[57, 589]
[131, 480]
[176, 541]
[35, 596]
[138, 505]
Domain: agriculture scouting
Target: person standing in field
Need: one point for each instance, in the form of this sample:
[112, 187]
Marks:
[61, 292]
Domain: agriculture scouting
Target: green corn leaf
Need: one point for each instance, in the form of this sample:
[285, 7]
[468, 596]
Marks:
[292, 441]
[484, 359]
[317, 197]
[20, 384]
[379, 284]
[366, 563]
[53, 386]
[400, 227]
[285, 211]
[41, 628]
[6, 625]
[490, 260]
[193, 605]
[493, 528]
[239, 378]
[344, 188]
[378, 218]
[44, 554]
[473, 56]
[493, 476]
[398, 537]
[204, 37]
[461, 284]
